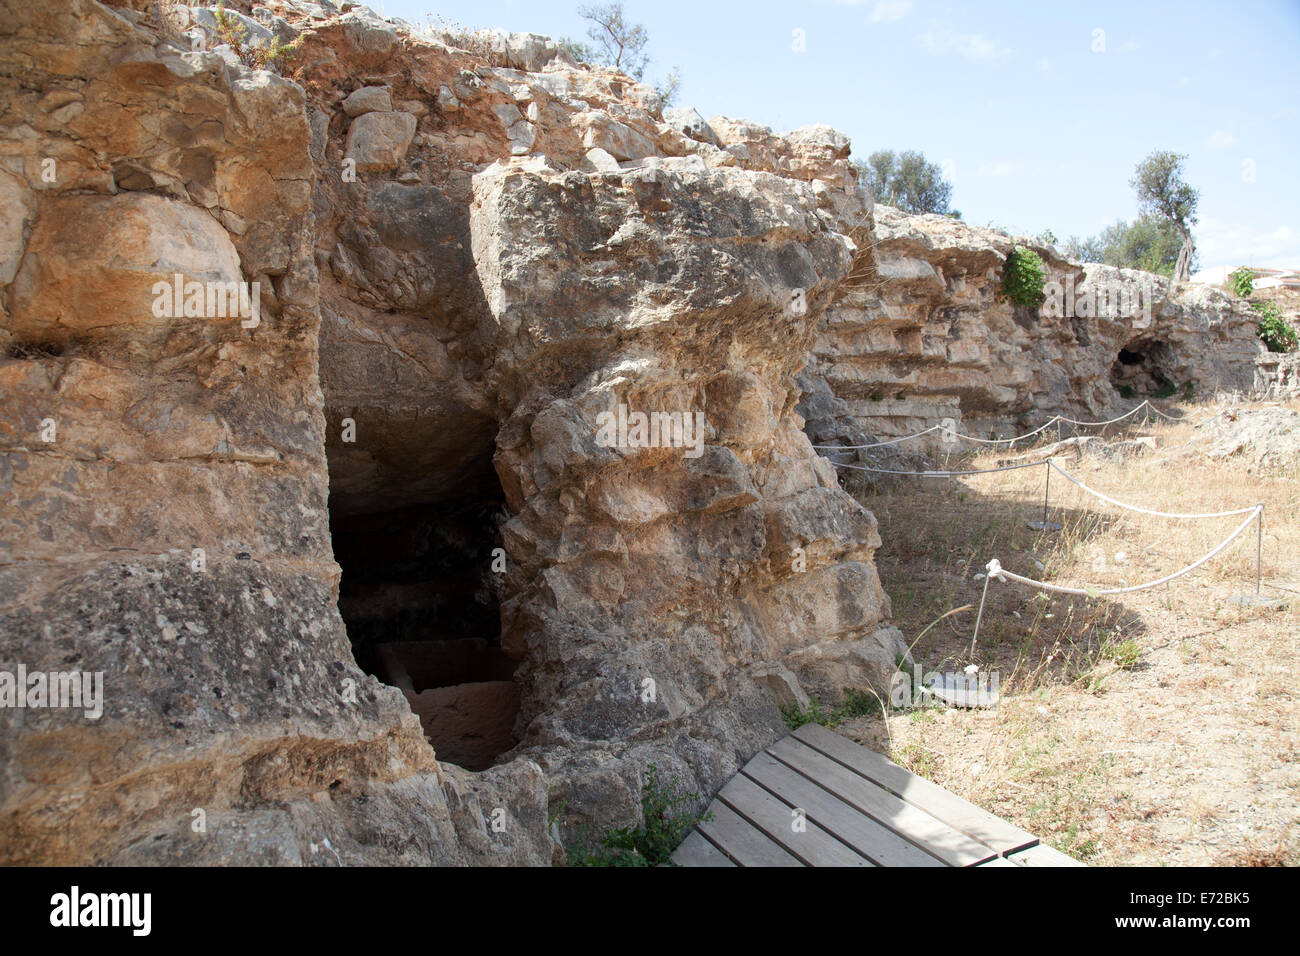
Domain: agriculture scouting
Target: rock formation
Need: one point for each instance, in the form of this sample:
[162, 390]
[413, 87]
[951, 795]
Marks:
[921, 335]
[442, 393]
[432, 325]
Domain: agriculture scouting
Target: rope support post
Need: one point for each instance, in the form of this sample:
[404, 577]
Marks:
[1047, 484]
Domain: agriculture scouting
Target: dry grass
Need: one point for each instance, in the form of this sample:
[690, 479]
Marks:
[1153, 727]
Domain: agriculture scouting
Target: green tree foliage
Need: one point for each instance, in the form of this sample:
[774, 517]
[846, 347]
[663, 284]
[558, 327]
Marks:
[616, 42]
[909, 181]
[580, 52]
[1146, 243]
[667, 89]
[1164, 195]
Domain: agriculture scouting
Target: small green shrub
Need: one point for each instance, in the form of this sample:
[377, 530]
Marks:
[260, 56]
[1124, 654]
[856, 704]
[1241, 282]
[668, 816]
[1023, 278]
[1275, 331]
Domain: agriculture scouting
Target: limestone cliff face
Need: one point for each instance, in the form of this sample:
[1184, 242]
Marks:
[544, 252]
[921, 335]
[455, 267]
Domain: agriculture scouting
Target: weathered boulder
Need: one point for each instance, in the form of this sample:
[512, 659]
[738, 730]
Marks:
[689, 122]
[368, 99]
[379, 141]
[104, 268]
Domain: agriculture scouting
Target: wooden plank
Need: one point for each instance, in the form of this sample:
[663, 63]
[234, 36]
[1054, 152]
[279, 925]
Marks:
[738, 838]
[997, 861]
[1042, 855]
[877, 843]
[813, 845]
[697, 851]
[949, 844]
[960, 814]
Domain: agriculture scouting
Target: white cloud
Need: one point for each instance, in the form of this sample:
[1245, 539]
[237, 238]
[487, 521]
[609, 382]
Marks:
[1221, 244]
[889, 11]
[1002, 168]
[1221, 139]
[972, 46]
[1045, 65]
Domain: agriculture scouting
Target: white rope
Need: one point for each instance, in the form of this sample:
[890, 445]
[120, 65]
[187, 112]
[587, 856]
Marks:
[940, 474]
[995, 569]
[892, 441]
[1147, 511]
[1145, 404]
[1003, 441]
[997, 441]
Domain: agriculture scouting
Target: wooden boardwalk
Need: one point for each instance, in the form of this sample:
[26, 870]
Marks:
[816, 798]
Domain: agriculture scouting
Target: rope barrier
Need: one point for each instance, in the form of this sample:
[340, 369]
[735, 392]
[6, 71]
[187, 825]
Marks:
[1001, 572]
[892, 441]
[1146, 403]
[940, 474]
[995, 570]
[1255, 514]
[1147, 511]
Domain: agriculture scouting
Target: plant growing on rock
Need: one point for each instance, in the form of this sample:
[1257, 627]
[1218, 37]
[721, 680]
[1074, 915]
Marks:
[1241, 282]
[260, 56]
[1277, 334]
[1023, 278]
[668, 816]
[618, 44]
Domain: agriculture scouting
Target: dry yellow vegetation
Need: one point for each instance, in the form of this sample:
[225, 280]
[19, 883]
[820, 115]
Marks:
[1147, 728]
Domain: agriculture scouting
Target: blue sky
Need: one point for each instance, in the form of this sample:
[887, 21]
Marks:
[1037, 116]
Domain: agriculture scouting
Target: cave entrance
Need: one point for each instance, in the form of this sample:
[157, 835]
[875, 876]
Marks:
[421, 604]
[1144, 368]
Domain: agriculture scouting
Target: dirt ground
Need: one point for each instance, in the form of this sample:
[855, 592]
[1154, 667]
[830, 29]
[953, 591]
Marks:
[1156, 727]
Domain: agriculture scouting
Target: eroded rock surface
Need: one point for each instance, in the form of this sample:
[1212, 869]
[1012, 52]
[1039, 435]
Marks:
[921, 335]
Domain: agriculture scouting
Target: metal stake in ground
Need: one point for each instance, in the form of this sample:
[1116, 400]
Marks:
[1047, 484]
[1045, 525]
[993, 567]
